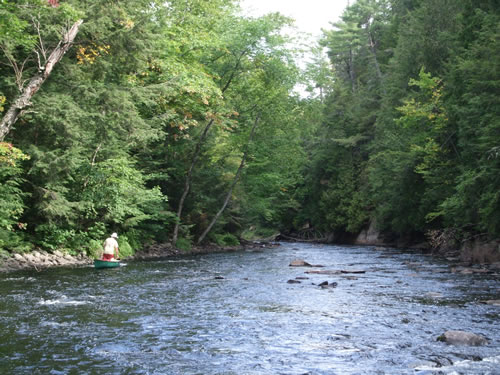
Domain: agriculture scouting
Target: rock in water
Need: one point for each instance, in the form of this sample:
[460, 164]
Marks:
[293, 282]
[299, 263]
[325, 285]
[462, 338]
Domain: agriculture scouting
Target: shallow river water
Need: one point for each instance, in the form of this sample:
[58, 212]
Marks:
[235, 313]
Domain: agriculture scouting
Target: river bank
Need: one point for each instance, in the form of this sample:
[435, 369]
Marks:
[40, 260]
[472, 257]
[475, 250]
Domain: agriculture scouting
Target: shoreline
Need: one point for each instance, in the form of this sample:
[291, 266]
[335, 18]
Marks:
[41, 260]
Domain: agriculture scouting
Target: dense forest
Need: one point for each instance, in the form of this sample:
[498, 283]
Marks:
[180, 121]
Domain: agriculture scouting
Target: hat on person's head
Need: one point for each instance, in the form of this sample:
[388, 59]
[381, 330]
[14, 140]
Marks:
[114, 235]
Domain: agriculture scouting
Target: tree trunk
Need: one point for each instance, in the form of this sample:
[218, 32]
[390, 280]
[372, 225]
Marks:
[375, 61]
[23, 100]
[235, 181]
[187, 182]
[352, 76]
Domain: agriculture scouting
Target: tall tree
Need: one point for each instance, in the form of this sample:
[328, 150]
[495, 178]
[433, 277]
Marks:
[247, 40]
[47, 56]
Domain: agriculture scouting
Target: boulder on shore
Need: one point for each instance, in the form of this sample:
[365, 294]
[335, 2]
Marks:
[462, 338]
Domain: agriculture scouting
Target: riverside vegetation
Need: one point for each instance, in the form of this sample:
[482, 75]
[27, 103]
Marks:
[178, 122]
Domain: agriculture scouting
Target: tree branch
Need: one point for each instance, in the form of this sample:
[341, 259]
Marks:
[23, 100]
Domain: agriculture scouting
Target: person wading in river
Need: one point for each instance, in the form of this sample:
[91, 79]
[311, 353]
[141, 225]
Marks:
[111, 248]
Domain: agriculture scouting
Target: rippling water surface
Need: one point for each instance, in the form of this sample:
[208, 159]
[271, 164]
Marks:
[236, 314]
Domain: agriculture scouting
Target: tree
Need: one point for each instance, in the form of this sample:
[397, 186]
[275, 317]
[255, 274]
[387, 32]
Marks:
[473, 82]
[233, 184]
[46, 61]
[247, 40]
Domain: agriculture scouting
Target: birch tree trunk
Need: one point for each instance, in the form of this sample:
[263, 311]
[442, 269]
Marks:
[235, 181]
[23, 100]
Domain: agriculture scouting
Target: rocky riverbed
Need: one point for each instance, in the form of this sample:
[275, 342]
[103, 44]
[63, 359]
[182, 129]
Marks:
[367, 310]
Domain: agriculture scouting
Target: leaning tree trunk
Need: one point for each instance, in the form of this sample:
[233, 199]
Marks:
[235, 180]
[187, 182]
[23, 100]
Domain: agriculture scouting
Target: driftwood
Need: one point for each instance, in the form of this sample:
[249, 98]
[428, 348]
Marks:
[298, 239]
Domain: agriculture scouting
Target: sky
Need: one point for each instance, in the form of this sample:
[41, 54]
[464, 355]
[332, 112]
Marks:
[310, 15]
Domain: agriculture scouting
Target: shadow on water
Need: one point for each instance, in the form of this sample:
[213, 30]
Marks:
[236, 314]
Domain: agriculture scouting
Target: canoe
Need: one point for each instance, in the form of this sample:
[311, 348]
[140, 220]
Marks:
[99, 263]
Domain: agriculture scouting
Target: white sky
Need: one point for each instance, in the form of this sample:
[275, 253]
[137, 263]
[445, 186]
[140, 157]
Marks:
[310, 15]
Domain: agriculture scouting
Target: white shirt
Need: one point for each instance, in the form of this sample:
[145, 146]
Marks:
[109, 245]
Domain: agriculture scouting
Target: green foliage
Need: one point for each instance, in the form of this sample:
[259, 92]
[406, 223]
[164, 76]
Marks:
[125, 249]
[149, 84]
[226, 239]
[474, 81]
[94, 249]
[115, 194]
[13, 242]
[53, 237]
[13, 28]
[11, 198]
[258, 233]
[415, 149]
[184, 244]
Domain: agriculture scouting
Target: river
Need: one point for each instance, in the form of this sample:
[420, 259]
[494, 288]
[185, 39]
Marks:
[235, 313]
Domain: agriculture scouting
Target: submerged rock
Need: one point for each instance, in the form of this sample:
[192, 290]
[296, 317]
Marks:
[462, 338]
[302, 263]
[433, 295]
[350, 277]
[323, 272]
